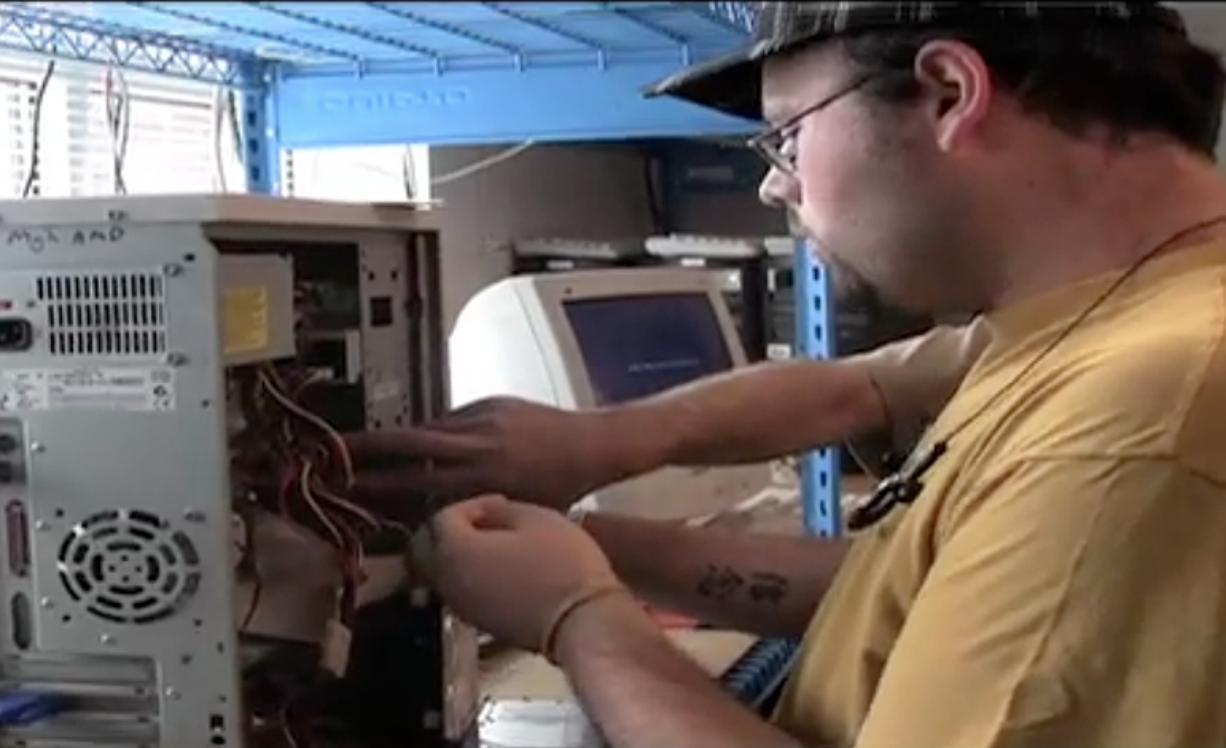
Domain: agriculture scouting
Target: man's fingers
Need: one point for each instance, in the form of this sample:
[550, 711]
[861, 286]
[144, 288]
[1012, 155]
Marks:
[398, 447]
[429, 548]
[470, 412]
[391, 486]
[487, 512]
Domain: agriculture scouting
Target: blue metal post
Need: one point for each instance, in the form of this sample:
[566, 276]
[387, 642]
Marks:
[258, 130]
[815, 338]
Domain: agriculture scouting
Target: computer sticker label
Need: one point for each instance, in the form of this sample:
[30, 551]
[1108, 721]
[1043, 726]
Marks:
[87, 388]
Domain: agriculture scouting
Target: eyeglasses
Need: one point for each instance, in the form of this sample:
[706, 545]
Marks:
[777, 146]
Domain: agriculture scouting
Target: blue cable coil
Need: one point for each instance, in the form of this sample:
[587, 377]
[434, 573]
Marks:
[758, 674]
[21, 708]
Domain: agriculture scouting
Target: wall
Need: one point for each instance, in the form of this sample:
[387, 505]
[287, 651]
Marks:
[581, 191]
[597, 191]
[1207, 25]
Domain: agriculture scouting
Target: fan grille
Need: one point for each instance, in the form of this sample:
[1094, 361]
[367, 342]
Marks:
[128, 566]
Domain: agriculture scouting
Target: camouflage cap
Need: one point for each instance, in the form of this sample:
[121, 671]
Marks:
[732, 84]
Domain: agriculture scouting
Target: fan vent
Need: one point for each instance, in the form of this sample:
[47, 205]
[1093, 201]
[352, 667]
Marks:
[129, 566]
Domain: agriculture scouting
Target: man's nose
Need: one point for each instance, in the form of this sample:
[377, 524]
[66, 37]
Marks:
[779, 189]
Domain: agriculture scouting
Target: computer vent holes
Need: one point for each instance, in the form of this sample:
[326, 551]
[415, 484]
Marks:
[104, 313]
[129, 566]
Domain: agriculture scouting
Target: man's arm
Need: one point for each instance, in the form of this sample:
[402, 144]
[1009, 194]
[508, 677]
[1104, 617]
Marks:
[769, 585]
[776, 409]
[640, 691]
[1074, 601]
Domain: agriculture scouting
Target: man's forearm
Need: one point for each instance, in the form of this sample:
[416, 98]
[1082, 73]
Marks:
[640, 691]
[752, 414]
[769, 585]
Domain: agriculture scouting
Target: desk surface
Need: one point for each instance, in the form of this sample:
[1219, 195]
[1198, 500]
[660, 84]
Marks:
[518, 675]
[528, 703]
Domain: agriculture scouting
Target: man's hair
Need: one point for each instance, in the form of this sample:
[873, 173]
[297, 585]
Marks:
[1126, 79]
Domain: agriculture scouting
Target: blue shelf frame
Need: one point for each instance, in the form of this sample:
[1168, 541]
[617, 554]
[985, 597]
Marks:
[820, 470]
[258, 129]
[26, 27]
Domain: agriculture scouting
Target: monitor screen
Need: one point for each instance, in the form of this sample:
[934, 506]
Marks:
[636, 346]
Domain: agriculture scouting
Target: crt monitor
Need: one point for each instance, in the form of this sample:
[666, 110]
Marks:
[596, 338]
[636, 346]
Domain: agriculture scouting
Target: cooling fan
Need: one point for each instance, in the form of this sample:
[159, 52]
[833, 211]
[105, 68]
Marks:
[128, 566]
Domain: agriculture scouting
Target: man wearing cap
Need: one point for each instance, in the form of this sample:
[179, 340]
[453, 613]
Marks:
[1047, 570]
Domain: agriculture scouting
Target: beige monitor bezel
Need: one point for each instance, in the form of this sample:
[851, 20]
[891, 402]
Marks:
[555, 289]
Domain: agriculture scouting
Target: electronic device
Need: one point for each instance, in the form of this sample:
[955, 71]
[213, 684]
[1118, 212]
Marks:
[593, 338]
[780, 246]
[713, 247]
[579, 249]
[181, 567]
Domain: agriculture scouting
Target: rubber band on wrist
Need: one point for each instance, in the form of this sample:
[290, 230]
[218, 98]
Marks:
[550, 638]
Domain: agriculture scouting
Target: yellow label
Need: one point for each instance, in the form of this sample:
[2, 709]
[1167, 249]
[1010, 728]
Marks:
[244, 318]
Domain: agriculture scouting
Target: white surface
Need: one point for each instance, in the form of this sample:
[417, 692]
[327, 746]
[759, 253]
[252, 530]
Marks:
[780, 246]
[579, 249]
[136, 389]
[714, 247]
[206, 209]
[514, 723]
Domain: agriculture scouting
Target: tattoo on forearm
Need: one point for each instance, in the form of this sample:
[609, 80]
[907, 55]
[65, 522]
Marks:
[724, 582]
[766, 587]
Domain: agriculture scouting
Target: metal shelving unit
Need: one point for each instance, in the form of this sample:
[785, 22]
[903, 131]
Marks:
[333, 74]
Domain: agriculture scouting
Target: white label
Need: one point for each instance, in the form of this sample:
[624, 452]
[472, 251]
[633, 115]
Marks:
[87, 388]
[778, 351]
[385, 391]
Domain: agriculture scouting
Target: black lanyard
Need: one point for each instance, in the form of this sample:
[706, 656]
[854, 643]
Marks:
[904, 486]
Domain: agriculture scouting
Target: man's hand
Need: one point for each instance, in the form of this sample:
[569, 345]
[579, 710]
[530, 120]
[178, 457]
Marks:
[512, 569]
[532, 453]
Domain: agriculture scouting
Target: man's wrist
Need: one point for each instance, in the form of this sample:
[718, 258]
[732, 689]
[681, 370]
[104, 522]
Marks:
[640, 441]
[603, 623]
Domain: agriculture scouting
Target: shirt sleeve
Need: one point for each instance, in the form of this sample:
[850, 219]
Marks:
[1072, 602]
[918, 375]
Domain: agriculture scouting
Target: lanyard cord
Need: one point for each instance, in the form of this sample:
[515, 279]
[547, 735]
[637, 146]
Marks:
[904, 486]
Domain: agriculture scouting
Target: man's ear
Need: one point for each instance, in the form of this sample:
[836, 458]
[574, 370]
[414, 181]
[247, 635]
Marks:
[958, 88]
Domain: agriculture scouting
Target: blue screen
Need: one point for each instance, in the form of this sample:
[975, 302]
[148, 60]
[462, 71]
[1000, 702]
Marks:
[637, 346]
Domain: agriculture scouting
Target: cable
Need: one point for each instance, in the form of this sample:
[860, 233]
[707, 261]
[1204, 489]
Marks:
[118, 110]
[216, 134]
[253, 605]
[407, 170]
[483, 164]
[250, 564]
[315, 472]
[40, 94]
[21, 708]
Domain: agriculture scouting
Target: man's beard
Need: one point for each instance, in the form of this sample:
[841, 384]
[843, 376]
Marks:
[848, 286]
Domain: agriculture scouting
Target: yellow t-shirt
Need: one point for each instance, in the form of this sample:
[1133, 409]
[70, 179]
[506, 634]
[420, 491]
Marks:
[915, 378]
[918, 375]
[1061, 581]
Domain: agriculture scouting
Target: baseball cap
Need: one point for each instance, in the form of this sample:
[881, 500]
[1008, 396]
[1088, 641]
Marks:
[732, 83]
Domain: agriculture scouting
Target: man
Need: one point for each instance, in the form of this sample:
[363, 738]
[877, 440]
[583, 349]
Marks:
[1056, 578]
